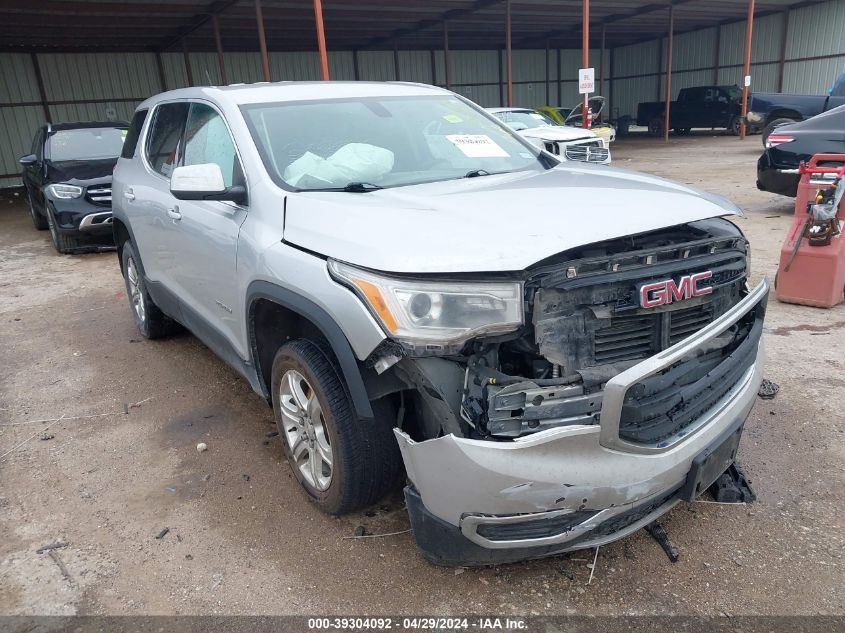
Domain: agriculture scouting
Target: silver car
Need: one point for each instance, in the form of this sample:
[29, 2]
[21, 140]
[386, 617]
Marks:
[554, 353]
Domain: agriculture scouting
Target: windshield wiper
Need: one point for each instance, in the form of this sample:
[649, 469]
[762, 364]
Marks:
[475, 173]
[360, 187]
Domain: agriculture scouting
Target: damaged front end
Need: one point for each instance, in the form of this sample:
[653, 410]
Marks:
[581, 424]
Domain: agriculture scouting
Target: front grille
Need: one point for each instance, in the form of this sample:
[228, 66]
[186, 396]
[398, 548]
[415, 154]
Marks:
[100, 194]
[587, 152]
[663, 405]
[626, 338]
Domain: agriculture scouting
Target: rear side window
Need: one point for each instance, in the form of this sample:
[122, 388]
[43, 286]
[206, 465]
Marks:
[165, 136]
[132, 135]
[207, 140]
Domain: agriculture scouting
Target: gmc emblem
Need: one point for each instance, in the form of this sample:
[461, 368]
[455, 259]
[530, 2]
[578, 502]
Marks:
[663, 292]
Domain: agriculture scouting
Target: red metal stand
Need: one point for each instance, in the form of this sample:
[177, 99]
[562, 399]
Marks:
[813, 275]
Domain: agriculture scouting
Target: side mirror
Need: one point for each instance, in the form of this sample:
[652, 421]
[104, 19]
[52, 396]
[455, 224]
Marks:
[203, 182]
[29, 160]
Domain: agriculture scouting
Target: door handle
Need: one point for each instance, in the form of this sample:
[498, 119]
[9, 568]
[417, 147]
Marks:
[174, 214]
[128, 194]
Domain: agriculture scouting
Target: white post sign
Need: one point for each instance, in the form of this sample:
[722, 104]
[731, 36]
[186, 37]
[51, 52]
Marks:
[586, 81]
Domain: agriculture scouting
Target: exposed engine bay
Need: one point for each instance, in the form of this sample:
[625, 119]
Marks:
[590, 314]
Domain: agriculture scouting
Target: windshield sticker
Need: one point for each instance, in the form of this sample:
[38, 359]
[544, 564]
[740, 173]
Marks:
[477, 146]
[453, 118]
[539, 117]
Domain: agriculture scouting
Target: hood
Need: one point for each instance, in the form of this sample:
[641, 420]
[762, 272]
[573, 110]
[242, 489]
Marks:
[80, 171]
[558, 133]
[504, 222]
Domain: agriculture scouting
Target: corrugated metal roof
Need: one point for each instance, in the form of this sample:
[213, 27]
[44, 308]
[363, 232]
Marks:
[153, 25]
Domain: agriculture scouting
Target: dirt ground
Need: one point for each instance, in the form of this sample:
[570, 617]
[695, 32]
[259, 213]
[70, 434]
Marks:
[242, 537]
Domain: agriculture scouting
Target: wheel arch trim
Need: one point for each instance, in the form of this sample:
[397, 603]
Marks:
[329, 328]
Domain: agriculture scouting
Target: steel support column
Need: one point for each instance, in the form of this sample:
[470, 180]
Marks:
[39, 81]
[559, 80]
[746, 69]
[215, 23]
[509, 52]
[321, 40]
[585, 55]
[601, 59]
[161, 77]
[262, 41]
[783, 41]
[186, 56]
[548, 95]
[669, 43]
[356, 71]
[717, 55]
[396, 60]
[446, 65]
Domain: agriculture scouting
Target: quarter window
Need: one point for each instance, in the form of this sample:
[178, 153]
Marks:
[207, 140]
[131, 140]
[164, 139]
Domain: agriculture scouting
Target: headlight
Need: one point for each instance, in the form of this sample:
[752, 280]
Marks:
[65, 191]
[433, 314]
[754, 117]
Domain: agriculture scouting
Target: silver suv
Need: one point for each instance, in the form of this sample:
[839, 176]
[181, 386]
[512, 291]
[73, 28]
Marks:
[554, 354]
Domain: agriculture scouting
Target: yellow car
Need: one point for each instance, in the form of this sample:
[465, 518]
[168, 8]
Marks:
[572, 117]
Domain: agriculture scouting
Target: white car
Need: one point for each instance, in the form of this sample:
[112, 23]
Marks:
[565, 142]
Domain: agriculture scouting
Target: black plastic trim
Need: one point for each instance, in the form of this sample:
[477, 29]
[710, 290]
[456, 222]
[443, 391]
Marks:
[327, 326]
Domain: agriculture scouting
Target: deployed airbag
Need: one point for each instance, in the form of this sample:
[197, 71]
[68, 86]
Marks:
[354, 162]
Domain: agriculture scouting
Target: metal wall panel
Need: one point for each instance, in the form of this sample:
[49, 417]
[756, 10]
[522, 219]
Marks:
[83, 76]
[415, 66]
[817, 30]
[693, 50]
[764, 77]
[627, 93]
[765, 46]
[475, 67]
[17, 129]
[17, 79]
[636, 59]
[813, 77]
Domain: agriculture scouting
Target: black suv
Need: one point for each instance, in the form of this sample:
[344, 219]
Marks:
[68, 182]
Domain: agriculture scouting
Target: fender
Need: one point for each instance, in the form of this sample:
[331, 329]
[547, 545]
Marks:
[327, 326]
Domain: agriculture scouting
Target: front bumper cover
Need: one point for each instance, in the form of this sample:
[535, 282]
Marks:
[581, 484]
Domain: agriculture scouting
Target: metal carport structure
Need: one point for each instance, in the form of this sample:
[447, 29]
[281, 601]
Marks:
[442, 28]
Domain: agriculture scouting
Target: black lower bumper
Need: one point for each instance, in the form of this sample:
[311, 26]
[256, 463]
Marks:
[444, 544]
[774, 181]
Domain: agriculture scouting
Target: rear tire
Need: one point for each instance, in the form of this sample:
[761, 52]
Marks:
[38, 220]
[734, 126]
[343, 463]
[771, 126]
[655, 127]
[151, 321]
[61, 242]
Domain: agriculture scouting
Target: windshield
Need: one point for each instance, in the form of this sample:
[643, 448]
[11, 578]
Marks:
[523, 119]
[381, 142]
[86, 143]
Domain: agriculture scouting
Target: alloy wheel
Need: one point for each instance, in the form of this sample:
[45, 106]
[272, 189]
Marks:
[305, 430]
[136, 297]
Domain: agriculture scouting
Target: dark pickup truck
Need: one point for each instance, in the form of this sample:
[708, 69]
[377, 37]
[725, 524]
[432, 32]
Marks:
[702, 106]
[768, 110]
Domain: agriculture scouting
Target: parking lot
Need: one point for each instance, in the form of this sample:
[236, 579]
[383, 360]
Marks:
[121, 465]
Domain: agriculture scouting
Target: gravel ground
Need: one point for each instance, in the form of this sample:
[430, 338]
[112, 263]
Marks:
[242, 539]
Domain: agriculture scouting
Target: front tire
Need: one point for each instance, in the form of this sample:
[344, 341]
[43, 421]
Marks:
[151, 321]
[343, 463]
[61, 242]
[38, 220]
